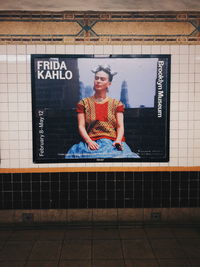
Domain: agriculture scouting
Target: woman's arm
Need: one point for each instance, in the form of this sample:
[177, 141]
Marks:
[120, 129]
[81, 126]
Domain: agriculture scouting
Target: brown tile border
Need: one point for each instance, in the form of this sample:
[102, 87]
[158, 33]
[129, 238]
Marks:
[102, 216]
[99, 169]
[88, 27]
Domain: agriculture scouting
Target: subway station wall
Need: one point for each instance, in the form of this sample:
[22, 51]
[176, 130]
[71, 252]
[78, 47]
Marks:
[130, 190]
[36, 186]
[16, 114]
[99, 190]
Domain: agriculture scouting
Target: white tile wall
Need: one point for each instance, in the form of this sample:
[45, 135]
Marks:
[15, 102]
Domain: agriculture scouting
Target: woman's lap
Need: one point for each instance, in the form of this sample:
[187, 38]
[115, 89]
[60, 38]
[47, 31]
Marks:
[106, 150]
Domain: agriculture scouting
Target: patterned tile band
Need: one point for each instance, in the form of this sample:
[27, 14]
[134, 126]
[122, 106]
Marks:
[100, 27]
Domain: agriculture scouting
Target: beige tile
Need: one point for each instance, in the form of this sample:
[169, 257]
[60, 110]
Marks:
[106, 233]
[184, 232]
[104, 215]
[15, 250]
[75, 263]
[24, 235]
[76, 249]
[132, 233]
[167, 249]
[174, 263]
[169, 253]
[53, 215]
[147, 214]
[17, 216]
[51, 234]
[78, 234]
[164, 242]
[179, 214]
[164, 213]
[12, 263]
[195, 214]
[141, 263]
[137, 249]
[107, 249]
[159, 232]
[130, 215]
[189, 242]
[41, 263]
[191, 247]
[46, 250]
[6, 216]
[5, 234]
[79, 215]
[108, 263]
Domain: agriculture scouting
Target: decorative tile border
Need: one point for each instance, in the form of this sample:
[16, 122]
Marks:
[99, 27]
[100, 169]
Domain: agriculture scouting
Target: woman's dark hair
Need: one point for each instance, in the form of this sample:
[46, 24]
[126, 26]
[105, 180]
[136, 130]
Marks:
[106, 69]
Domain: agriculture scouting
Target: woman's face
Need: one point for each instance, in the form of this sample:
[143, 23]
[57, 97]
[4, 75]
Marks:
[101, 81]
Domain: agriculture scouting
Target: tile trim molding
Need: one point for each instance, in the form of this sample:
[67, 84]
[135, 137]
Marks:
[126, 216]
[99, 169]
[99, 28]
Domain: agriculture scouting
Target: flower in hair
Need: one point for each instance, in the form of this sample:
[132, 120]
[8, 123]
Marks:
[107, 69]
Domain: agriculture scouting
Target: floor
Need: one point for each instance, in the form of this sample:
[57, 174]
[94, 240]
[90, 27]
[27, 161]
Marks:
[101, 247]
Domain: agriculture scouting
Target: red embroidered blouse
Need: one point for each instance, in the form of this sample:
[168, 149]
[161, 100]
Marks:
[100, 118]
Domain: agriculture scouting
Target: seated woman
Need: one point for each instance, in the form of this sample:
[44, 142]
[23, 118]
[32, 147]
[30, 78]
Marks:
[101, 123]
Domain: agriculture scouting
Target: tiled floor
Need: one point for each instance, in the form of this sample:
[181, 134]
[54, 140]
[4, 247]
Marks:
[101, 247]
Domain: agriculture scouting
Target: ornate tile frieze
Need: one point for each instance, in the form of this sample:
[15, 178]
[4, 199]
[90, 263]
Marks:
[100, 27]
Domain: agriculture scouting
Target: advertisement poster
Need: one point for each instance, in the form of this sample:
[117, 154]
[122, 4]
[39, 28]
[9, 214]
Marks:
[109, 108]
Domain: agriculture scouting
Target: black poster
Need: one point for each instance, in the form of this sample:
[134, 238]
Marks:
[100, 108]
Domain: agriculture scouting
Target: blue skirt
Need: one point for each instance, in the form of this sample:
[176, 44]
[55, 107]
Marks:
[106, 150]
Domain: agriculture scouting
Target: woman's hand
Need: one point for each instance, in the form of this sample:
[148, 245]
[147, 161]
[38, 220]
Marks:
[118, 145]
[92, 145]
[120, 131]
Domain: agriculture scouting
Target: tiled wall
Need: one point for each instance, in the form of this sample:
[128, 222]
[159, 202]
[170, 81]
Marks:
[104, 193]
[15, 102]
[101, 190]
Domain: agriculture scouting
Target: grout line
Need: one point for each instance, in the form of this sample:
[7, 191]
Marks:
[92, 245]
[28, 257]
[62, 243]
[182, 248]
[121, 244]
[148, 239]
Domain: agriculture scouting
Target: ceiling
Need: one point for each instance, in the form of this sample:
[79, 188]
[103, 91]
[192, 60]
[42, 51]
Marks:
[100, 5]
